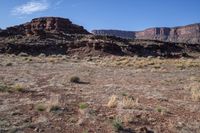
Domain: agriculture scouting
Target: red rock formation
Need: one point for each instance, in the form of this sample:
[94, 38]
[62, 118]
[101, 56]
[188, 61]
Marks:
[40, 26]
[185, 34]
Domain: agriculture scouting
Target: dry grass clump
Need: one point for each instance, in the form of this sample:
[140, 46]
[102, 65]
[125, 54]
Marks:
[136, 62]
[53, 104]
[196, 79]
[195, 91]
[19, 88]
[129, 103]
[183, 63]
[112, 102]
[126, 102]
[128, 118]
[41, 107]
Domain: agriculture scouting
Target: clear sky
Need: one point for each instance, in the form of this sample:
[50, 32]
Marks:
[104, 14]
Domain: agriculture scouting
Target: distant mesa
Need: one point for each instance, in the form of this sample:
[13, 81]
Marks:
[40, 26]
[182, 34]
[117, 33]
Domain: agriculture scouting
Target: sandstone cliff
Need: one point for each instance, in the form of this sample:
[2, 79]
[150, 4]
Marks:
[183, 34]
[40, 26]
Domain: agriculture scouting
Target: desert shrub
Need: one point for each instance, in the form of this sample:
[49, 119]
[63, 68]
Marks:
[124, 94]
[75, 79]
[83, 105]
[41, 107]
[4, 88]
[19, 88]
[112, 102]
[9, 64]
[55, 108]
[117, 124]
[159, 109]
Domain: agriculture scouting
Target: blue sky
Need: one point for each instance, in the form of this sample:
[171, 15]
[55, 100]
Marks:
[104, 14]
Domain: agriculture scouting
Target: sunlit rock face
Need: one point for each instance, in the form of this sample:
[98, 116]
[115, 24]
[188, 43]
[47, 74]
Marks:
[40, 26]
[184, 34]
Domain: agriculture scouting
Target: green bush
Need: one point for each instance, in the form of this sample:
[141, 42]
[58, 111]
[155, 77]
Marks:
[117, 124]
[83, 105]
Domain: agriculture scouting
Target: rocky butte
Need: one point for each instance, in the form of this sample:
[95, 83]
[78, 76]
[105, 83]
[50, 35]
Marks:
[181, 34]
[40, 26]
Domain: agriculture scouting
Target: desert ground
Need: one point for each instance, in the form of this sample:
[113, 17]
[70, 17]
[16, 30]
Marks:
[61, 94]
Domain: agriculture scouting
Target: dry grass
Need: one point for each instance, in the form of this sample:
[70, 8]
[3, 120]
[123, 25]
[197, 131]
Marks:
[53, 103]
[127, 118]
[129, 103]
[157, 63]
[113, 102]
[195, 91]
[19, 88]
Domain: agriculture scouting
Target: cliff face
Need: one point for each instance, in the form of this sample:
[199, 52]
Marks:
[184, 34]
[40, 26]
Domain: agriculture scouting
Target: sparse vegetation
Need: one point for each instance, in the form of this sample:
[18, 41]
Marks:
[55, 108]
[41, 107]
[110, 99]
[129, 103]
[159, 109]
[19, 88]
[117, 124]
[83, 105]
[195, 91]
[124, 94]
[75, 79]
[53, 103]
[112, 102]
[9, 64]
[4, 88]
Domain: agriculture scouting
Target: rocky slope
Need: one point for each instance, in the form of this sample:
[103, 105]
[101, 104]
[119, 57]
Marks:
[184, 34]
[53, 35]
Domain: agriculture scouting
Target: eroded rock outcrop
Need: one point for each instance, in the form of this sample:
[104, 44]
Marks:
[43, 25]
[184, 34]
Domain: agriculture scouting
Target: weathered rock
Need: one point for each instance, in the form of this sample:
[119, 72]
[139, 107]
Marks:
[43, 25]
[184, 34]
